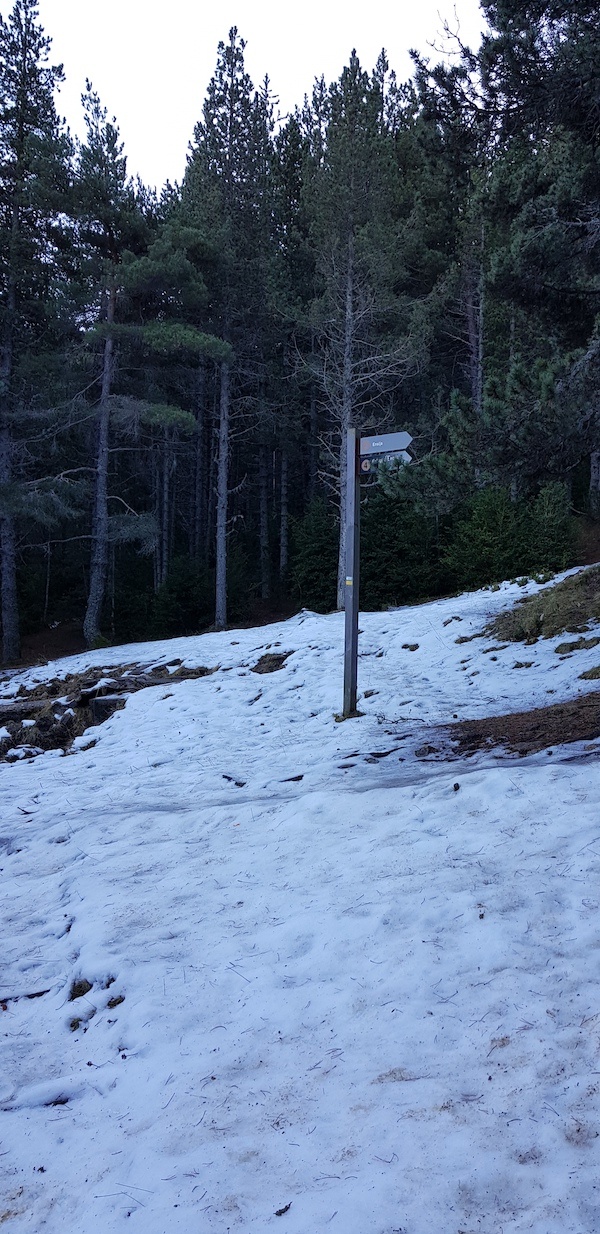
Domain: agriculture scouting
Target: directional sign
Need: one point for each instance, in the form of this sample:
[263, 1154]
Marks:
[367, 464]
[388, 446]
[391, 458]
[386, 443]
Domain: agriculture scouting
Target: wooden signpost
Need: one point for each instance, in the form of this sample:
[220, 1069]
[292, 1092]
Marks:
[360, 455]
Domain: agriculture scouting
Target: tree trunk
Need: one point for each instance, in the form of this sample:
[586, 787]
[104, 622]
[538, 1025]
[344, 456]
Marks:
[173, 498]
[165, 508]
[594, 490]
[99, 560]
[475, 312]
[313, 447]
[198, 517]
[346, 416]
[156, 512]
[222, 483]
[283, 518]
[47, 588]
[11, 642]
[212, 467]
[263, 486]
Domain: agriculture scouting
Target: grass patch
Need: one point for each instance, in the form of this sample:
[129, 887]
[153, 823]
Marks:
[592, 674]
[565, 649]
[567, 608]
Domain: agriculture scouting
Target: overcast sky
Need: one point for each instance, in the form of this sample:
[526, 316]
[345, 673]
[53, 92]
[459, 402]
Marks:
[151, 61]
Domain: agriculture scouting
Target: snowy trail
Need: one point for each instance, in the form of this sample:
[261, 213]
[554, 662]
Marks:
[364, 995]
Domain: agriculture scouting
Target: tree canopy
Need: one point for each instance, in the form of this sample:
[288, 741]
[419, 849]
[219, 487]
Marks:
[178, 371]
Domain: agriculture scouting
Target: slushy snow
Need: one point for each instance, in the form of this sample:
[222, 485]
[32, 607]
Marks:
[325, 990]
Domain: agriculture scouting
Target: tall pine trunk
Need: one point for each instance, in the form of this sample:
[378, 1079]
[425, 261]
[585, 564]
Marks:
[156, 512]
[99, 559]
[475, 314]
[263, 486]
[222, 492]
[283, 518]
[11, 642]
[594, 489]
[198, 521]
[313, 448]
[165, 508]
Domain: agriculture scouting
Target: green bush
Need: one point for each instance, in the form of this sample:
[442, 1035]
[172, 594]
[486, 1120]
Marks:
[407, 556]
[553, 530]
[488, 542]
[400, 552]
[495, 538]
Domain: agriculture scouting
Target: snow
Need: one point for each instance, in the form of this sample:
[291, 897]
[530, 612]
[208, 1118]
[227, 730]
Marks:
[364, 1000]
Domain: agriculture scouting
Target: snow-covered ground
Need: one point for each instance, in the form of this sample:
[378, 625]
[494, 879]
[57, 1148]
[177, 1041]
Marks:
[328, 991]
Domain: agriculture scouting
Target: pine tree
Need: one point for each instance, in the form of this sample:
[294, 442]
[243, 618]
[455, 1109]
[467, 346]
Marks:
[34, 156]
[171, 354]
[227, 194]
[110, 224]
[539, 66]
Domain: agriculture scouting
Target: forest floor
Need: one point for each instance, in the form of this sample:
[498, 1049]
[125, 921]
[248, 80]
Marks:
[539, 728]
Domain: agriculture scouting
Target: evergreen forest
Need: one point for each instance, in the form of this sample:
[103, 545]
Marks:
[178, 369]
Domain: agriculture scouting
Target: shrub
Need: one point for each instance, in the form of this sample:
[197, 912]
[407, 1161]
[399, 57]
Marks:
[400, 552]
[489, 542]
[497, 538]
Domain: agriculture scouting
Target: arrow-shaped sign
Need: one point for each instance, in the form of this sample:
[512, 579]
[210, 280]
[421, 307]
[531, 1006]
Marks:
[386, 443]
[403, 455]
[376, 459]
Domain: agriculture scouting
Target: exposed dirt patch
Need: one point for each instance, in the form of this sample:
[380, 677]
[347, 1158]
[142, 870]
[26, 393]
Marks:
[50, 715]
[528, 731]
[271, 662]
[79, 988]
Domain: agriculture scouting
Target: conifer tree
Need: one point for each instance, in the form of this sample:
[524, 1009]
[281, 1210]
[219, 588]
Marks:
[226, 193]
[34, 177]
[110, 224]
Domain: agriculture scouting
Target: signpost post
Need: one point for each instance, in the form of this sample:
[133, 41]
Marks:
[352, 573]
[359, 454]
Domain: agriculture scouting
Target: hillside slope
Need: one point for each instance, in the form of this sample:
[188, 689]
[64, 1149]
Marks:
[266, 970]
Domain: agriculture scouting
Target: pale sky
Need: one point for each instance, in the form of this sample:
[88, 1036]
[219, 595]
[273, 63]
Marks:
[151, 60]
